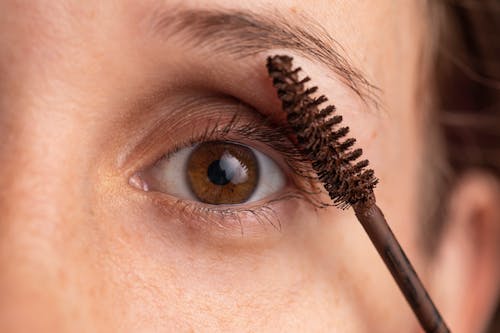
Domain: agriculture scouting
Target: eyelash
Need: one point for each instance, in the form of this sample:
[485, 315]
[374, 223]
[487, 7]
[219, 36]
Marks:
[269, 134]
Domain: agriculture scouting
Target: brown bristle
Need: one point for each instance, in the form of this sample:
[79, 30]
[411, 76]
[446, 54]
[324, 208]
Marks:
[321, 137]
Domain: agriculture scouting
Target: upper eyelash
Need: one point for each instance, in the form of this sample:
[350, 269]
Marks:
[273, 136]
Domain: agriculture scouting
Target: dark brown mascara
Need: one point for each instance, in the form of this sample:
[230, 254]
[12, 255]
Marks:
[347, 180]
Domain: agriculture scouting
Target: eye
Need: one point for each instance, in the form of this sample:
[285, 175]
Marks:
[216, 173]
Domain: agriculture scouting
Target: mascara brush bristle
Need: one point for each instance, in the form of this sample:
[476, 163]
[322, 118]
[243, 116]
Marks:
[321, 138]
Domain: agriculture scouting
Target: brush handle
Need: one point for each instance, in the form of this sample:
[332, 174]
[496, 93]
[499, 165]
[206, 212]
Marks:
[380, 233]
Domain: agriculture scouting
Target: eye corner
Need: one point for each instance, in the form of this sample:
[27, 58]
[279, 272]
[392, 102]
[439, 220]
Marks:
[137, 182]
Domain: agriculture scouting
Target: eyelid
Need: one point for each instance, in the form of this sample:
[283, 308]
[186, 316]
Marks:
[166, 118]
[228, 119]
[260, 221]
[182, 116]
[252, 132]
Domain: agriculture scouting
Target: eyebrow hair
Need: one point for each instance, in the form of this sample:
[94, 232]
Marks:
[244, 33]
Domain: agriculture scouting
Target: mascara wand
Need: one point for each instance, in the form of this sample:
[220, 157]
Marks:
[347, 181]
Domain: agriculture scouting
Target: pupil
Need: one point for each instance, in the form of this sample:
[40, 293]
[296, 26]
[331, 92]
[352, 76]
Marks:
[216, 174]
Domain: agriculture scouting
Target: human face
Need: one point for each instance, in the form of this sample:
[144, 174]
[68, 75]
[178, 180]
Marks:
[93, 92]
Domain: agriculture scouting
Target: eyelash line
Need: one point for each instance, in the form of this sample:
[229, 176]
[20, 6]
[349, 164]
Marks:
[272, 135]
[226, 218]
[262, 130]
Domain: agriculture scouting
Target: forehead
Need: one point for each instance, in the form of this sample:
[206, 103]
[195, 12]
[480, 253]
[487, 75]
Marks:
[355, 24]
[72, 37]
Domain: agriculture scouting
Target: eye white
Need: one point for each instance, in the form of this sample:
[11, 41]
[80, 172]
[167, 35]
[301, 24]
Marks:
[271, 177]
[169, 175]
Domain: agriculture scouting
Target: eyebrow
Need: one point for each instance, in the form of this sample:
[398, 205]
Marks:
[244, 33]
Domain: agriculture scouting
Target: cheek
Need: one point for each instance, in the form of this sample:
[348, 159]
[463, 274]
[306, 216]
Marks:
[159, 270]
[355, 273]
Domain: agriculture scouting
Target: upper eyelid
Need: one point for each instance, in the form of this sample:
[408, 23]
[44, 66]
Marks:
[217, 106]
[163, 113]
[246, 125]
[168, 111]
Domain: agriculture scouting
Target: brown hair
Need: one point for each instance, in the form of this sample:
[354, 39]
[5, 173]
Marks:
[465, 72]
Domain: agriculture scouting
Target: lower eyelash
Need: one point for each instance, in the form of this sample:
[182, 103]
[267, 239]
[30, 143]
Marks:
[228, 219]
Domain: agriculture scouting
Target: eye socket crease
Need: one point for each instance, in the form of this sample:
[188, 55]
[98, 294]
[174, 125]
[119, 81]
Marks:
[245, 33]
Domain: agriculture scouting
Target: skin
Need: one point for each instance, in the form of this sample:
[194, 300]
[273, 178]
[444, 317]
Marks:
[84, 85]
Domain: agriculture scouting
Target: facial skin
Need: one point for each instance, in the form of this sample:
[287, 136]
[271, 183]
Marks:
[92, 92]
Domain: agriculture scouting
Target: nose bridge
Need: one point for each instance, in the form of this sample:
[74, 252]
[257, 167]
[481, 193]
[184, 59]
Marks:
[35, 129]
[32, 187]
[32, 167]
[39, 206]
[48, 151]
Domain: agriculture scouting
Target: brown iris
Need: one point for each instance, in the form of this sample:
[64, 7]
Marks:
[222, 172]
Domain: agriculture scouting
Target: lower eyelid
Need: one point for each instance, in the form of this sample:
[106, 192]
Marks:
[263, 220]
